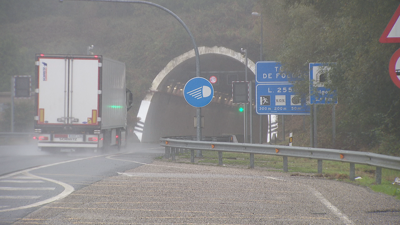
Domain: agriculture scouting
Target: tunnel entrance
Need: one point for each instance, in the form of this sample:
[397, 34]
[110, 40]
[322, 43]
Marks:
[164, 111]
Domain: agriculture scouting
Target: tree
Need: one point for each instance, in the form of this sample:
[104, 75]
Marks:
[11, 62]
[347, 33]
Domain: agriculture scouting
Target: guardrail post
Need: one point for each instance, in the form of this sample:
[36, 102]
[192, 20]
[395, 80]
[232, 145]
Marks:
[167, 151]
[320, 166]
[173, 150]
[378, 175]
[352, 171]
[191, 155]
[251, 160]
[285, 164]
[220, 163]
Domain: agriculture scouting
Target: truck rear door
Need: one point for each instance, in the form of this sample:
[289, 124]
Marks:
[68, 90]
[84, 91]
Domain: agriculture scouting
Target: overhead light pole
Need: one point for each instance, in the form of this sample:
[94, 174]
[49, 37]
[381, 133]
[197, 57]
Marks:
[251, 102]
[261, 59]
[261, 33]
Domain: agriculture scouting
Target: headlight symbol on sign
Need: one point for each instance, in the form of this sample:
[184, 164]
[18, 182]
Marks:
[198, 92]
[201, 92]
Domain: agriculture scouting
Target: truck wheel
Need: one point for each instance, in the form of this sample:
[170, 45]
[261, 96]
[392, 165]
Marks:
[119, 140]
[106, 141]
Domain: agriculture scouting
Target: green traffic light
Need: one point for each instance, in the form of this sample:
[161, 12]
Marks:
[241, 109]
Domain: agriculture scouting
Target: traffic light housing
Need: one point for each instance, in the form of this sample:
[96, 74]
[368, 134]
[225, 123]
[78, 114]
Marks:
[240, 92]
[22, 86]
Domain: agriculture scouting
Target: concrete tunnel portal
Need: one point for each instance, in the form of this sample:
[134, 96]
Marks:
[164, 111]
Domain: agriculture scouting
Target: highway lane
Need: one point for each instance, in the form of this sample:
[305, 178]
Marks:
[179, 193]
[30, 178]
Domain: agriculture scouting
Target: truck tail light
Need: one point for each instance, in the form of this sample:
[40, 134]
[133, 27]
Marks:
[43, 138]
[94, 139]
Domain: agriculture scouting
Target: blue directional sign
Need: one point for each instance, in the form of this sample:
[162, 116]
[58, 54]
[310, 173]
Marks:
[319, 94]
[274, 92]
[270, 71]
[279, 99]
[198, 92]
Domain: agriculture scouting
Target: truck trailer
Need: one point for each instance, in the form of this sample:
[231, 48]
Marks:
[81, 102]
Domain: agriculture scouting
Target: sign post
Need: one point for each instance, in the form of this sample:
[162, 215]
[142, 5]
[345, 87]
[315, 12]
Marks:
[274, 92]
[198, 92]
[320, 95]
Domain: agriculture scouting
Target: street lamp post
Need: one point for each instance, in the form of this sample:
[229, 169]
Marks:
[261, 33]
[251, 101]
[261, 59]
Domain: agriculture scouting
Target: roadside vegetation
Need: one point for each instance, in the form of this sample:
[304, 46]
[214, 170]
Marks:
[295, 32]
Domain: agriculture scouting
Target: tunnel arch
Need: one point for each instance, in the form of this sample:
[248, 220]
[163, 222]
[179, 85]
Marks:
[163, 74]
[202, 51]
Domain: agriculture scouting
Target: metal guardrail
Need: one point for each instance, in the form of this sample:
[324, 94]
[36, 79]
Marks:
[173, 145]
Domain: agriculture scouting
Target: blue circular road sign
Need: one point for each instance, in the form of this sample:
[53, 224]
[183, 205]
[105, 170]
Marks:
[198, 92]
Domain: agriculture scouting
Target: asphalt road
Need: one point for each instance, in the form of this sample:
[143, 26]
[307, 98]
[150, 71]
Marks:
[129, 188]
[30, 179]
[176, 193]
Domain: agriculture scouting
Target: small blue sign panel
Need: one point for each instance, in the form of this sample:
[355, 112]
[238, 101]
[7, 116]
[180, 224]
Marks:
[319, 94]
[270, 71]
[279, 99]
[198, 92]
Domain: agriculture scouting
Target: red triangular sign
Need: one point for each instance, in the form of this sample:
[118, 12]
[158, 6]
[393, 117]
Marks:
[392, 31]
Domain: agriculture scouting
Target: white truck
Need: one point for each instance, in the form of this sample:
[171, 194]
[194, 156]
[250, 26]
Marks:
[81, 102]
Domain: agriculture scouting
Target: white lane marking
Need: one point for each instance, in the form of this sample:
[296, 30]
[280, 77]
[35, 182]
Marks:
[48, 165]
[27, 188]
[24, 174]
[68, 189]
[23, 178]
[20, 197]
[331, 207]
[274, 178]
[21, 181]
